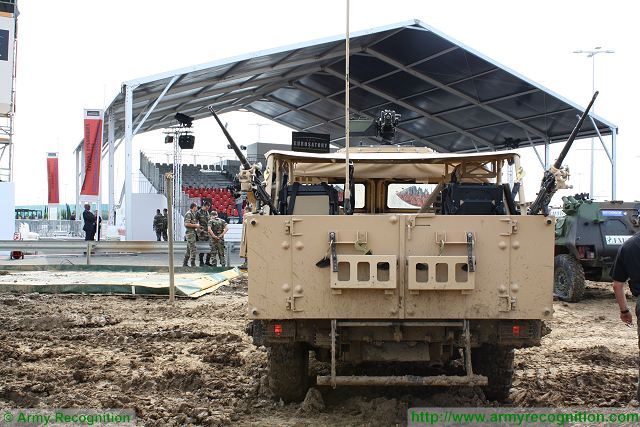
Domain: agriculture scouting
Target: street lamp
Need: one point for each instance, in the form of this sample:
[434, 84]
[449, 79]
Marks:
[259, 125]
[591, 53]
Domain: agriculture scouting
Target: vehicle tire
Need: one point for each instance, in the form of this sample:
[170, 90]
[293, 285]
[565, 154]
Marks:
[495, 363]
[568, 278]
[288, 371]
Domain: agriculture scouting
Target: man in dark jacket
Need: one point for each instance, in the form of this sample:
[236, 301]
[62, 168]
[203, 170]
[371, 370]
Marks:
[627, 268]
[90, 225]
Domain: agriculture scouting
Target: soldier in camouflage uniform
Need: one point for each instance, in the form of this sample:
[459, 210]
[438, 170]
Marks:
[165, 225]
[203, 219]
[217, 229]
[157, 224]
[192, 226]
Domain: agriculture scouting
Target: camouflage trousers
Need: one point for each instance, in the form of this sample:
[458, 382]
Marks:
[217, 247]
[191, 247]
[203, 236]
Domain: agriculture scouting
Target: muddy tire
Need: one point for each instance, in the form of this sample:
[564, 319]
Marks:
[568, 278]
[288, 371]
[495, 363]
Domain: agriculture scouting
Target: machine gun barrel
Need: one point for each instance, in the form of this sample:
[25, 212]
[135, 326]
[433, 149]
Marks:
[574, 133]
[548, 186]
[243, 160]
[258, 190]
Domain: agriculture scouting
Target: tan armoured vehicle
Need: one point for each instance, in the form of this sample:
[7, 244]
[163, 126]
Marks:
[433, 263]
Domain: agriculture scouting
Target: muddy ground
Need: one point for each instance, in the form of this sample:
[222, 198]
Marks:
[193, 364]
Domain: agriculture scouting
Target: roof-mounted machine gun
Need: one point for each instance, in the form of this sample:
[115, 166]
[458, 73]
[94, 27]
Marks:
[250, 176]
[556, 177]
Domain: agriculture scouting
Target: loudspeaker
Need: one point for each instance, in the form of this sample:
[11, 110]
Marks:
[186, 142]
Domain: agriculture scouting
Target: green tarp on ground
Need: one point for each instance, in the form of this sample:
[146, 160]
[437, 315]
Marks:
[189, 284]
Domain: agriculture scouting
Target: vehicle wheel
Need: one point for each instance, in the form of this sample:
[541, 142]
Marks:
[495, 363]
[568, 278]
[288, 371]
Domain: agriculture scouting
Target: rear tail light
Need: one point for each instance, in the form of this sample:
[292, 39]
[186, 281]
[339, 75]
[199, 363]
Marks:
[586, 252]
[516, 330]
[277, 329]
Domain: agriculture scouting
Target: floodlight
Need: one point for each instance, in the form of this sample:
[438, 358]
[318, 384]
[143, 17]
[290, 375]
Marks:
[186, 141]
[184, 120]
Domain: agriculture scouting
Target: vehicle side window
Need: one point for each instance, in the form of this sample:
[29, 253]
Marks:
[359, 196]
[408, 196]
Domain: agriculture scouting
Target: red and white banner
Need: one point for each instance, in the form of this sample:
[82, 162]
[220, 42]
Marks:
[52, 178]
[92, 150]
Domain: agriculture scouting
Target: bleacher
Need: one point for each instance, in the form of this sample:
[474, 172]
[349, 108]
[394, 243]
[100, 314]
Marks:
[205, 176]
[221, 199]
[199, 181]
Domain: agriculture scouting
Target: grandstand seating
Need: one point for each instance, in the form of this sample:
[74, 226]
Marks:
[221, 199]
[216, 176]
[199, 182]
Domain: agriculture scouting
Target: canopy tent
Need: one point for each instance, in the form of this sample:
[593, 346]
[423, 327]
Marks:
[450, 97]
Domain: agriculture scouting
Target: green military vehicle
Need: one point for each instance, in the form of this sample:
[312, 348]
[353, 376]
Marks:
[588, 237]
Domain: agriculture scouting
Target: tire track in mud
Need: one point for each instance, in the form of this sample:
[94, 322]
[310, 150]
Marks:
[589, 359]
[194, 364]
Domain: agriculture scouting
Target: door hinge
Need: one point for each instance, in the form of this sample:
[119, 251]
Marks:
[512, 224]
[289, 227]
[506, 303]
[291, 303]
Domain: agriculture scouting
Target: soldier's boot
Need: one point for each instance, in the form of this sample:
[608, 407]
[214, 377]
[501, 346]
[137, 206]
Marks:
[193, 262]
[208, 261]
[201, 257]
[184, 261]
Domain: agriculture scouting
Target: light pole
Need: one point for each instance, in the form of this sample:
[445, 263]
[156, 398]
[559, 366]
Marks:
[591, 53]
[259, 125]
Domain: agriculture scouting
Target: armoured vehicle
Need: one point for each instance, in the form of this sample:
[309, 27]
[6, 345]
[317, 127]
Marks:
[362, 273]
[588, 237]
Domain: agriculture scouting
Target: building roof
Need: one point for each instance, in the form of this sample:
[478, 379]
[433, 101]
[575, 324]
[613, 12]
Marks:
[450, 97]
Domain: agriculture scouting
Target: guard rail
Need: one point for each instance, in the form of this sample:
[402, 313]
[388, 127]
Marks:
[104, 246]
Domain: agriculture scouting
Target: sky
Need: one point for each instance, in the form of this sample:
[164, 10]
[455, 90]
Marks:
[76, 54]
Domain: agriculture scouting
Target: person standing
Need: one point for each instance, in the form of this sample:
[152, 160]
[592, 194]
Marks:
[239, 200]
[192, 226]
[626, 268]
[203, 220]
[217, 229]
[98, 224]
[89, 223]
[165, 225]
[158, 222]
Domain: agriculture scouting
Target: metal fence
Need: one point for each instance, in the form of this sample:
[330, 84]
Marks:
[52, 228]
